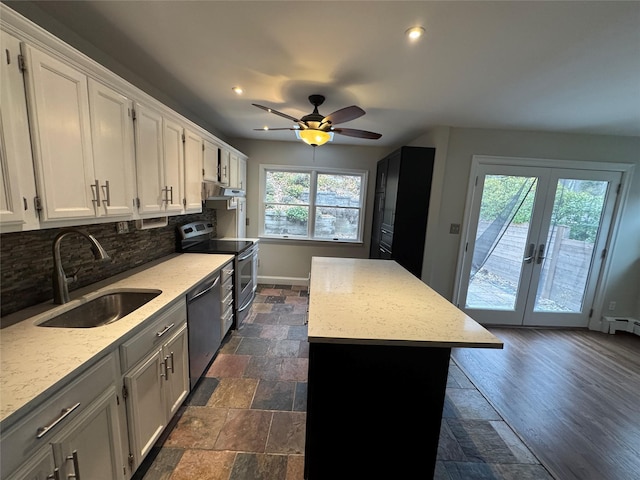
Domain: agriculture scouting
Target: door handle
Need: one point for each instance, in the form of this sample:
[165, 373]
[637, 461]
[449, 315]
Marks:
[541, 256]
[530, 254]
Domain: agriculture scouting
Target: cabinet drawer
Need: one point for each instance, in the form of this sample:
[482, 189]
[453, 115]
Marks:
[21, 440]
[158, 331]
[226, 273]
[227, 286]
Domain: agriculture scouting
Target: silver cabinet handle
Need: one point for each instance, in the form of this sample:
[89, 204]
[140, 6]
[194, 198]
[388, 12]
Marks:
[163, 374]
[171, 195]
[42, 431]
[172, 364]
[76, 466]
[164, 330]
[95, 189]
[530, 254]
[106, 191]
[55, 475]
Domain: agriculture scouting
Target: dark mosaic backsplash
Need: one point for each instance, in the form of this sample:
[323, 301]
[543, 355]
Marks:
[26, 258]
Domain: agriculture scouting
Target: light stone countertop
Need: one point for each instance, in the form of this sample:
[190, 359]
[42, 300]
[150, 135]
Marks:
[33, 360]
[378, 302]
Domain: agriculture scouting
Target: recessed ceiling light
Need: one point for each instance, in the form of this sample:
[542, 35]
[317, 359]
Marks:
[237, 90]
[414, 33]
[265, 128]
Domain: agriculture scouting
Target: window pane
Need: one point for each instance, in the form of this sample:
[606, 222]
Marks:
[338, 190]
[287, 187]
[286, 220]
[337, 223]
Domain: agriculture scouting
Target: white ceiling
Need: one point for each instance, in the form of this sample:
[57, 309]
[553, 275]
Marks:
[556, 66]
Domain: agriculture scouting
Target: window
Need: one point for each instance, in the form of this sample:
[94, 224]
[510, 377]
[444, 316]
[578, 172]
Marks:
[312, 204]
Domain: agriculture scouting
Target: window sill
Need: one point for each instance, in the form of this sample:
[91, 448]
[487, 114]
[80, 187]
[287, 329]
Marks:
[310, 241]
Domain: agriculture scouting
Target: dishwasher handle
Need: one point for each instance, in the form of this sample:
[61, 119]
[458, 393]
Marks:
[206, 290]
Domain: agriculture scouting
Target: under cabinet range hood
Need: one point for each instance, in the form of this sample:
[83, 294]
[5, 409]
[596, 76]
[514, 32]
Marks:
[215, 191]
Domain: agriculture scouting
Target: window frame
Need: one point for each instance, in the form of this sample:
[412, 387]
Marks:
[313, 183]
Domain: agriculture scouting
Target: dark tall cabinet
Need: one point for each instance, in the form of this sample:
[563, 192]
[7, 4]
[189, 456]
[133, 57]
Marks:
[403, 187]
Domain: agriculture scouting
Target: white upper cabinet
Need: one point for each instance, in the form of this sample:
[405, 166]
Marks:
[16, 199]
[58, 101]
[225, 167]
[113, 152]
[193, 161]
[149, 159]
[173, 190]
[210, 161]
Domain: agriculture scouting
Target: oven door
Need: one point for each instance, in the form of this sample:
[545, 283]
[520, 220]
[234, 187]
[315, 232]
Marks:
[244, 282]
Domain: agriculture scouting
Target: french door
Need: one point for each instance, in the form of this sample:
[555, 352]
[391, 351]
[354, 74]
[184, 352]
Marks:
[535, 243]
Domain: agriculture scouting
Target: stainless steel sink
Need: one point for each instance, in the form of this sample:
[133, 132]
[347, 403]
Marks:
[107, 308]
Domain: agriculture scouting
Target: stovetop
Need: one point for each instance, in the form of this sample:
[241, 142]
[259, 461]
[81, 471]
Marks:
[218, 246]
[194, 237]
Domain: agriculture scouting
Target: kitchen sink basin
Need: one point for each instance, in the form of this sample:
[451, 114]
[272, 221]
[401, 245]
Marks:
[103, 310]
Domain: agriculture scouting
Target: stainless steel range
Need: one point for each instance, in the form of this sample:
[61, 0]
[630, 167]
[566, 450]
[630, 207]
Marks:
[195, 238]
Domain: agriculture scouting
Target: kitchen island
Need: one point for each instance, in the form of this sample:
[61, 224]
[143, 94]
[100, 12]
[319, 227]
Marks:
[380, 342]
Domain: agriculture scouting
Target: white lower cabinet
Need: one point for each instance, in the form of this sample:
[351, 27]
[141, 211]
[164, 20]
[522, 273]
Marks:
[156, 385]
[73, 434]
[89, 448]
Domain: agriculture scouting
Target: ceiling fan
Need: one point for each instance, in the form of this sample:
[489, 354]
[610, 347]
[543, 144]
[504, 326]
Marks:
[316, 129]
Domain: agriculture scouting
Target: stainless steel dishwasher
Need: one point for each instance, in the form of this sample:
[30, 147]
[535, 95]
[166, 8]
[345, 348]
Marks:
[204, 324]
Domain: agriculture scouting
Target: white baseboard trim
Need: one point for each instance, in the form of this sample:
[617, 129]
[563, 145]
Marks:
[282, 280]
[622, 324]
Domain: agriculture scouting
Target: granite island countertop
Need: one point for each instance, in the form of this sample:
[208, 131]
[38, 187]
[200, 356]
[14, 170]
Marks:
[35, 360]
[378, 302]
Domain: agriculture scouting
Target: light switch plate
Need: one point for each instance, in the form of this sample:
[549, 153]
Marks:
[454, 229]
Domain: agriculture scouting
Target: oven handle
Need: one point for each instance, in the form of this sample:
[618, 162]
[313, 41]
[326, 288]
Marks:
[246, 305]
[205, 291]
[246, 256]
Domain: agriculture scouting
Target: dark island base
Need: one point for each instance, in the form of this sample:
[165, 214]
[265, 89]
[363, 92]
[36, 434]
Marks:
[374, 411]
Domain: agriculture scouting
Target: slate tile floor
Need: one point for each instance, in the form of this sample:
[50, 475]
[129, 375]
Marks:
[245, 420]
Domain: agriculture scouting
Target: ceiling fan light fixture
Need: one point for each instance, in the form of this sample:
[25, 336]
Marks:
[415, 33]
[313, 137]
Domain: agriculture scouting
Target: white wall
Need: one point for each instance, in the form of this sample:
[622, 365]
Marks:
[292, 259]
[461, 144]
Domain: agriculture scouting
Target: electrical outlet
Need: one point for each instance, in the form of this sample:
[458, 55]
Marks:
[246, 221]
[123, 227]
[454, 228]
[612, 305]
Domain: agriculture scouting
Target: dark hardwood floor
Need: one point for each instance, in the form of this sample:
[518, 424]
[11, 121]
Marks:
[573, 396]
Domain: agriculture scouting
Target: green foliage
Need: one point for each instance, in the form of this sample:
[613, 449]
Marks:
[578, 203]
[299, 214]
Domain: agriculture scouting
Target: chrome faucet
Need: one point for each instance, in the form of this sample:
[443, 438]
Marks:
[60, 280]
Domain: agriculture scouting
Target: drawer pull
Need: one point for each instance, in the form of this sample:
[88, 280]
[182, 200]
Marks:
[164, 330]
[42, 431]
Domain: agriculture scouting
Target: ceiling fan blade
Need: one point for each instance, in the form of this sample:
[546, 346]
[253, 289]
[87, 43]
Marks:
[276, 112]
[270, 129]
[352, 132]
[345, 114]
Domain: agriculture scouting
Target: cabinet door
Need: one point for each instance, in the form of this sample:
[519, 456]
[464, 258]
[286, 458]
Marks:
[192, 172]
[61, 136]
[241, 218]
[11, 205]
[90, 447]
[112, 135]
[149, 159]
[210, 161]
[173, 165]
[39, 467]
[225, 166]
[391, 192]
[177, 366]
[146, 411]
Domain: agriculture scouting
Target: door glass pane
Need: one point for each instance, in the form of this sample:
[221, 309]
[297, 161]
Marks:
[503, 229]
[575, 221]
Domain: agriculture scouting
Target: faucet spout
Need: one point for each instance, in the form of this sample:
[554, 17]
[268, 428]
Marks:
[60, 279]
